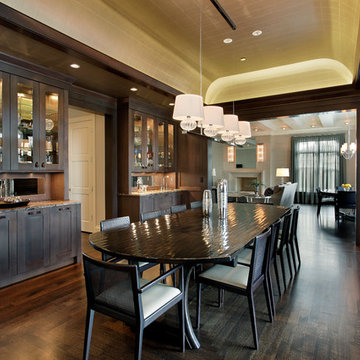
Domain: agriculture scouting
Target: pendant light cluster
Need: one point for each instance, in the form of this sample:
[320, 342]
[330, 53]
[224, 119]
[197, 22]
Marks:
[348, 149]
[190, 111]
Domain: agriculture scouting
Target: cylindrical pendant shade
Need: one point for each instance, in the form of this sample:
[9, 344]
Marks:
[213, 116]
[230, 125]
[188, 107]
[245, 129]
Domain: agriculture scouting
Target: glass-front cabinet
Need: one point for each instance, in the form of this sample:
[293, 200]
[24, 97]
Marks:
[153, 143]
[36, 134]
[4, 121]
[144, 142]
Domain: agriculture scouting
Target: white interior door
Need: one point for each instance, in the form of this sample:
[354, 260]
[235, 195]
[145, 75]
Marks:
[82, 168]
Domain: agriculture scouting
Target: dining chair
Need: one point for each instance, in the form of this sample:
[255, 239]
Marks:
[283, 245]
[293, 240]
[195, 204]
[243, 280]
[150, 215]
[117, 290]
[244, 258]
[177, 208]
[344, 200]
[118, 223]
[324, 199]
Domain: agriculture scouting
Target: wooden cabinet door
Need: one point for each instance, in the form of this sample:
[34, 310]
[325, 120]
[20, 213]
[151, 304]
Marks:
[4, 121]
[33, 239]
[62, 233]
[8, 263]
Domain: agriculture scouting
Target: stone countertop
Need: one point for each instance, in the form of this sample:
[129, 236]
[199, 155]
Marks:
[153, 192]
[47, 203]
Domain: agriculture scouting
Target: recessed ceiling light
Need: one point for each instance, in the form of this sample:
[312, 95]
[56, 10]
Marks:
[171, 104]
[133, 89]
[227, 41]
[284, 127]
[256, 129]
[312, 125]
[75, 66]
[256, 33]
[243, 59]
[346, 123]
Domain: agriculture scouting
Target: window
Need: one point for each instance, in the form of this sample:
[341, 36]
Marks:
[316, 162]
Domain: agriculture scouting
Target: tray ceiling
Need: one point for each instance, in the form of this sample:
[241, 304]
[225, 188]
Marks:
[305, 44]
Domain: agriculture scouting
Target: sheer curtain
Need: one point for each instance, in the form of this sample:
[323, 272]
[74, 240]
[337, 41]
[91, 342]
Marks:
[316, 162]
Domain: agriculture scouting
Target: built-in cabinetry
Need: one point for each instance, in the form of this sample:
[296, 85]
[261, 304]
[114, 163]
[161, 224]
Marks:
[31, 125]
[153, 143]
[38, 239]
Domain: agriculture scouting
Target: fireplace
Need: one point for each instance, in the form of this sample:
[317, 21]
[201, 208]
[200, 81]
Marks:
[243, 183]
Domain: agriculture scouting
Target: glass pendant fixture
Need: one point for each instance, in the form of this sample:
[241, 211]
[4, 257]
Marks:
[240, 140]
[213, 120]
[231, 128]
[348, 149]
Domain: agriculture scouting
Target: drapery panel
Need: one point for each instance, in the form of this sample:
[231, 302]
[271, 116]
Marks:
[316, 162]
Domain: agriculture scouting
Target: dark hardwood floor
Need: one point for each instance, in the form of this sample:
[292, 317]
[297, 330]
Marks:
[318, 317]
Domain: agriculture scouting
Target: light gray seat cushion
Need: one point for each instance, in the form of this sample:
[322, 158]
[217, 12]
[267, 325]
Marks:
[235, 276]
[244, 256]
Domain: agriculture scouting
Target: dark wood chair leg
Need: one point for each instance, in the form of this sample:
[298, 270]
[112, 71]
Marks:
[253, 319]
[297, 248]
[277, 276]
[198, 307]
[181, 313]
[289, 260]
[292, 248]
[138, 341]
[318, 208]
[283, 268]
[88, 331]
[271, 292]
[268, 299]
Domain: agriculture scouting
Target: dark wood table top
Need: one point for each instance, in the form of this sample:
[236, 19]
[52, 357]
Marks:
[188, 237]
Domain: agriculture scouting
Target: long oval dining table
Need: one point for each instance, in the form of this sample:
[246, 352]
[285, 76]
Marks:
[189, 238]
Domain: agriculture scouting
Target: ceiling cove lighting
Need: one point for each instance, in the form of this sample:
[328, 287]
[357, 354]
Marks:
[75, 66]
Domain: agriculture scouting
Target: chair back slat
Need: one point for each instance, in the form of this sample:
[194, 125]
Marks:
[258, 260]
[275, 229]
[150, 215]
[294, 222]
[111, 285]
[115, 223]
[178, 208]
[285, 231]
[195, 204]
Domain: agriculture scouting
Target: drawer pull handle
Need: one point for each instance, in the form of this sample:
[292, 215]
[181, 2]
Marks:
[67, 208]
[38, 212]
[30, 213]
[60, 209]
[2, 217]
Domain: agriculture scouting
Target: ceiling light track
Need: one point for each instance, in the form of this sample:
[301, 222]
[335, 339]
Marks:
[224, 14]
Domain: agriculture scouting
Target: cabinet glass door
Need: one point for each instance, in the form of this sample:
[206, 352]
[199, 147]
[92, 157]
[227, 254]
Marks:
[170, 147]
[52, 127]
[161, 145]
[150, 143]
[1, 121]
[4, 122]
[25, 133]
[137, 141]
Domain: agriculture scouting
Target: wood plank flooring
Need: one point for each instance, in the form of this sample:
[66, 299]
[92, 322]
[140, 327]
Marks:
[318, 317]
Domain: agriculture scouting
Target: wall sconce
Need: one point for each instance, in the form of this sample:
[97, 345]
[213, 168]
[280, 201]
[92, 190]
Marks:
[259, 152]
[231, 154]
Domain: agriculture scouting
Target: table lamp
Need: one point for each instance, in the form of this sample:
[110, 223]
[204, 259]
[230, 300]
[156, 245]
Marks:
[282, 172]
